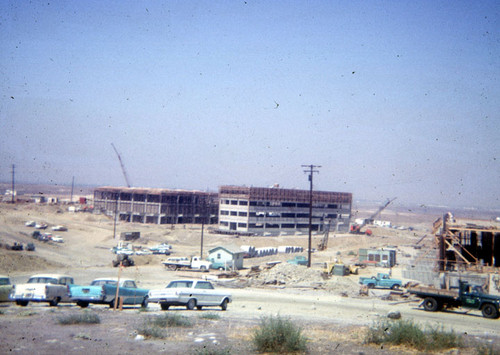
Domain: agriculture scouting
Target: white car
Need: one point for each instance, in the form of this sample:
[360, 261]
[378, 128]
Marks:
[143, 252]
[41, 226]
[30, 224]
[51, 288]
[59, 228]
[57, 239]
[190, 294]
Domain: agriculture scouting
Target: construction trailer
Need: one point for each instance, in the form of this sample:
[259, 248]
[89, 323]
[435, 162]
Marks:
[157, 206]
[466, 246]
[385, 257]
[275, 210]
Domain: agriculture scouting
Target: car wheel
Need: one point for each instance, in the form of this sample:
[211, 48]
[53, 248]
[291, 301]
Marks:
[164, 306]
[203, 267]
[221, 269]
[395, 287]
[145, 302]
[22, 303]
[489, 311]
[371, 285]
[82, 304]
[112, 304]
[191, 304]
[430, 304]
[199, 308]
[224, 303]
[54, 302]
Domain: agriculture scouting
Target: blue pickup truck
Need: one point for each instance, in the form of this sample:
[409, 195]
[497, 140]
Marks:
[382, 280]
[103, 291]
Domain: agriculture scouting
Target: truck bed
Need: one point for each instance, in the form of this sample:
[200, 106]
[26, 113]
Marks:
[432, 291]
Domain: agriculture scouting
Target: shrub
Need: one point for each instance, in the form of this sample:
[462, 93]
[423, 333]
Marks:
[171, 320]
[213, 316]
[406, 332]
[151, 331]
[279, 336]
[154, 327]
[86, 317]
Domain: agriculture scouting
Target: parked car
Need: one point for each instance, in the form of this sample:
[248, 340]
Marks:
[41, 226]
[57, 239]
[51, 288]
[382, 280]
[5, 288]
[190, 294]
[143, 252]
[161, 249]
[103, 291]
[193, 263]
[30, 224]
[59, 228]
[30, 247]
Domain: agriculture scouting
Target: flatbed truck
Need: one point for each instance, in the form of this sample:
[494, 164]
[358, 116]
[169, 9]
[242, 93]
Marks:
[467, 296]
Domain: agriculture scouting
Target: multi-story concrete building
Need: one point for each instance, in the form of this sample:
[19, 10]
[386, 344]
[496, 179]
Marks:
[159, 206]
[273, 210]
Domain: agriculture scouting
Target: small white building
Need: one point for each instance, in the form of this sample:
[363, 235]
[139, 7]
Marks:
[380, 223]
[226, 257]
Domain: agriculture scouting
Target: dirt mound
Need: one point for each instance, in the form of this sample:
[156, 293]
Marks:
[342, 286]
[290, 275]
[20, 261]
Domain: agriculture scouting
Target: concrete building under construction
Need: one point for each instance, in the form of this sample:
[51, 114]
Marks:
[158, 206]
[466, 246]
[271, 211]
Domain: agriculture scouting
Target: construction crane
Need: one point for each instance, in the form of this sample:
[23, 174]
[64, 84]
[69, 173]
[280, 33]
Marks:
[356, 228]
[121, 164]
[323, 245]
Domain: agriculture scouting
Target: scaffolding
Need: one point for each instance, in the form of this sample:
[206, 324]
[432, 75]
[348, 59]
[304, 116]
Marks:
[468, 247]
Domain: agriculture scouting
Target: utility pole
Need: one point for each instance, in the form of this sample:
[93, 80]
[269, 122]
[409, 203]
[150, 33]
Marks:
[13, 186]
[203, 216]
[72, 188]
[310, 169]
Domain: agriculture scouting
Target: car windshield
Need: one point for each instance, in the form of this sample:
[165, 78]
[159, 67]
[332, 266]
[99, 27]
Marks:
[42, 280]
[4, 281]
[103, 282]
[180, 284]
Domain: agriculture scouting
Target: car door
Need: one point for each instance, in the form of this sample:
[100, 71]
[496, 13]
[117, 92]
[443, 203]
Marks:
[210, 296]
[129, 292]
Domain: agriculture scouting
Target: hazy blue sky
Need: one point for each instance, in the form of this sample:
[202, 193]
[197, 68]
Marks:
[391, 98]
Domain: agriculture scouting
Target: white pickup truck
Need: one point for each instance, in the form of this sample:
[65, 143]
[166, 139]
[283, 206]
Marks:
[190, 294]
[51, 288]
[193, 263]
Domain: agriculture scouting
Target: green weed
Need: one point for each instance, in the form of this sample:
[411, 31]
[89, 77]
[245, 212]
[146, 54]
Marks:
[279, 335]
[408, 333]
[87, 317]
[213, 316]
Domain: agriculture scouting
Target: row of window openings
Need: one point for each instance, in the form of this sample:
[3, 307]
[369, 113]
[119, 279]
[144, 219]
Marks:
[273, 214]
[270, 225]
[275, 204]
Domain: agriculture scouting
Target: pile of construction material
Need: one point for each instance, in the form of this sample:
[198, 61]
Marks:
[253, 252]
[290, 275]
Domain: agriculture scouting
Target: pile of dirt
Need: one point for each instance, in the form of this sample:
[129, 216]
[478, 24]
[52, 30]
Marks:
[290, 275]
[21, 261]
[342, 286]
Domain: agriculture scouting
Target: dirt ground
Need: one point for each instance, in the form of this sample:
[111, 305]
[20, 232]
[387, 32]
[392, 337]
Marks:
[331, 312]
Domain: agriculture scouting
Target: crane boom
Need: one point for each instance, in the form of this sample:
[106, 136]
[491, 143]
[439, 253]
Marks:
[122, 166]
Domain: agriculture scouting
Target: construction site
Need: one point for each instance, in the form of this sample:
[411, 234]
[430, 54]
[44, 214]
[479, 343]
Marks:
[157, 206]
